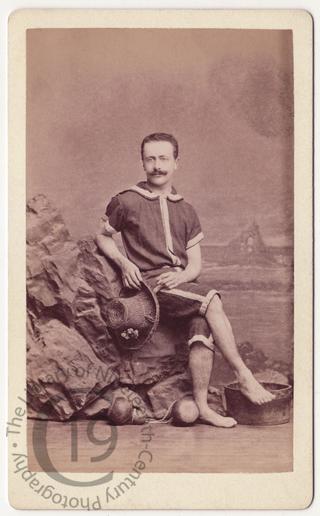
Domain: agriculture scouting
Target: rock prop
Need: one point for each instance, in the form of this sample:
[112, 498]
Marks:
[73, 364]
[63, 373]
[74, 368]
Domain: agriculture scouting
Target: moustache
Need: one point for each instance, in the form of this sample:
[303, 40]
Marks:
[158, 173]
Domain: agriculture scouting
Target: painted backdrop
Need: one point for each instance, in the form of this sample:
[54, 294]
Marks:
[93, 94]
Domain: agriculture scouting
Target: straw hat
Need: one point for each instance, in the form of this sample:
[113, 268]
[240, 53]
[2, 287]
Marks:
[133, 317]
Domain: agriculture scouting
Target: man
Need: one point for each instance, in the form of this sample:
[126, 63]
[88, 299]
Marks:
[161, 234]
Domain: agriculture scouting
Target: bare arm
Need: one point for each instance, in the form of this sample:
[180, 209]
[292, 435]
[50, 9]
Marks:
[110, 249]
[190, 273]
[193, 268]
[131, 275]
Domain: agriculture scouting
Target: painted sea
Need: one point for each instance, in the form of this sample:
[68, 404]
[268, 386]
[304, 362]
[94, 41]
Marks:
[258, 300]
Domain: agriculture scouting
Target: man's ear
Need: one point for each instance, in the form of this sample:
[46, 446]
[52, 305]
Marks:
[177, 161]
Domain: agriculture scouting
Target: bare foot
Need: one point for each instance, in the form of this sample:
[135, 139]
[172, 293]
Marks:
[208, 415]
[252, 389]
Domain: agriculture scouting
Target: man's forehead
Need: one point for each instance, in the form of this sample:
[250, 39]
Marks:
[158, 147]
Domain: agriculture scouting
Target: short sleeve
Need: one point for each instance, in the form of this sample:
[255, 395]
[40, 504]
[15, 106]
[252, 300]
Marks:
[115, 217]
[194, 231]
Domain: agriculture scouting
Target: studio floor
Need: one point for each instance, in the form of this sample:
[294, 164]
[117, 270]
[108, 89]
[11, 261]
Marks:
[79, 447]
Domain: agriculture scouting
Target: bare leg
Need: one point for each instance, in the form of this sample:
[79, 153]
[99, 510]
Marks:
[223, 336]
[200, 363]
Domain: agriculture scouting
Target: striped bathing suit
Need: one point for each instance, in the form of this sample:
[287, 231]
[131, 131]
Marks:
[157, 230]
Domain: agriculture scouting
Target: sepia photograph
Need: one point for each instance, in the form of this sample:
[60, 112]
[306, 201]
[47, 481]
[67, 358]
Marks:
[180, 142]
[162, 303]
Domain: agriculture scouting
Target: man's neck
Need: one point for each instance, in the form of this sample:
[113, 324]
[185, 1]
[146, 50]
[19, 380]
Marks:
[161, 189]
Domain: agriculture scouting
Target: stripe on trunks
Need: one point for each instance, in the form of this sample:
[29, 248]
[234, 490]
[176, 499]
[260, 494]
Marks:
[207, 341]
[187, 295]
[207, 299]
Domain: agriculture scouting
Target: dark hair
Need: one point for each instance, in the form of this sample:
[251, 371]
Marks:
[161, 137]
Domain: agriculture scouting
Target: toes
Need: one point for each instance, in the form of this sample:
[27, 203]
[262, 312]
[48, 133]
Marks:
[267, 398]
[230, 422]
[256, 393]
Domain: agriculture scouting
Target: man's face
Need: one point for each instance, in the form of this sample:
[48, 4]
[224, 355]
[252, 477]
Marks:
[159, 162]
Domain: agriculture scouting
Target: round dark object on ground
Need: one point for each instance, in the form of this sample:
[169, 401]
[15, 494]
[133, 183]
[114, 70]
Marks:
[275, 412]
[120, 412]
[184, 412]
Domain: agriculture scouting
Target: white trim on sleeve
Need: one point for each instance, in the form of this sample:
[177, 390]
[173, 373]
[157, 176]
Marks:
[195, 240]
[107, 229]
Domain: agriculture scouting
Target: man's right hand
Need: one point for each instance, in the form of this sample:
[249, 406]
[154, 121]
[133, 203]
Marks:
[131, 275]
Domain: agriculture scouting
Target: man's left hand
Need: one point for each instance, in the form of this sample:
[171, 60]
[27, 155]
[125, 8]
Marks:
[169, 280]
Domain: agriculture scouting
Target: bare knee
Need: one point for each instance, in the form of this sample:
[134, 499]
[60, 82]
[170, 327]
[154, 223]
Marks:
[215, 306]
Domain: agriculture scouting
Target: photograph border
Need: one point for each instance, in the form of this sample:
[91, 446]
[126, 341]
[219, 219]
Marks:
[205, 491]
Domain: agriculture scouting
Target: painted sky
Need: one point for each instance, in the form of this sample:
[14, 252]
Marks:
[93, 94]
